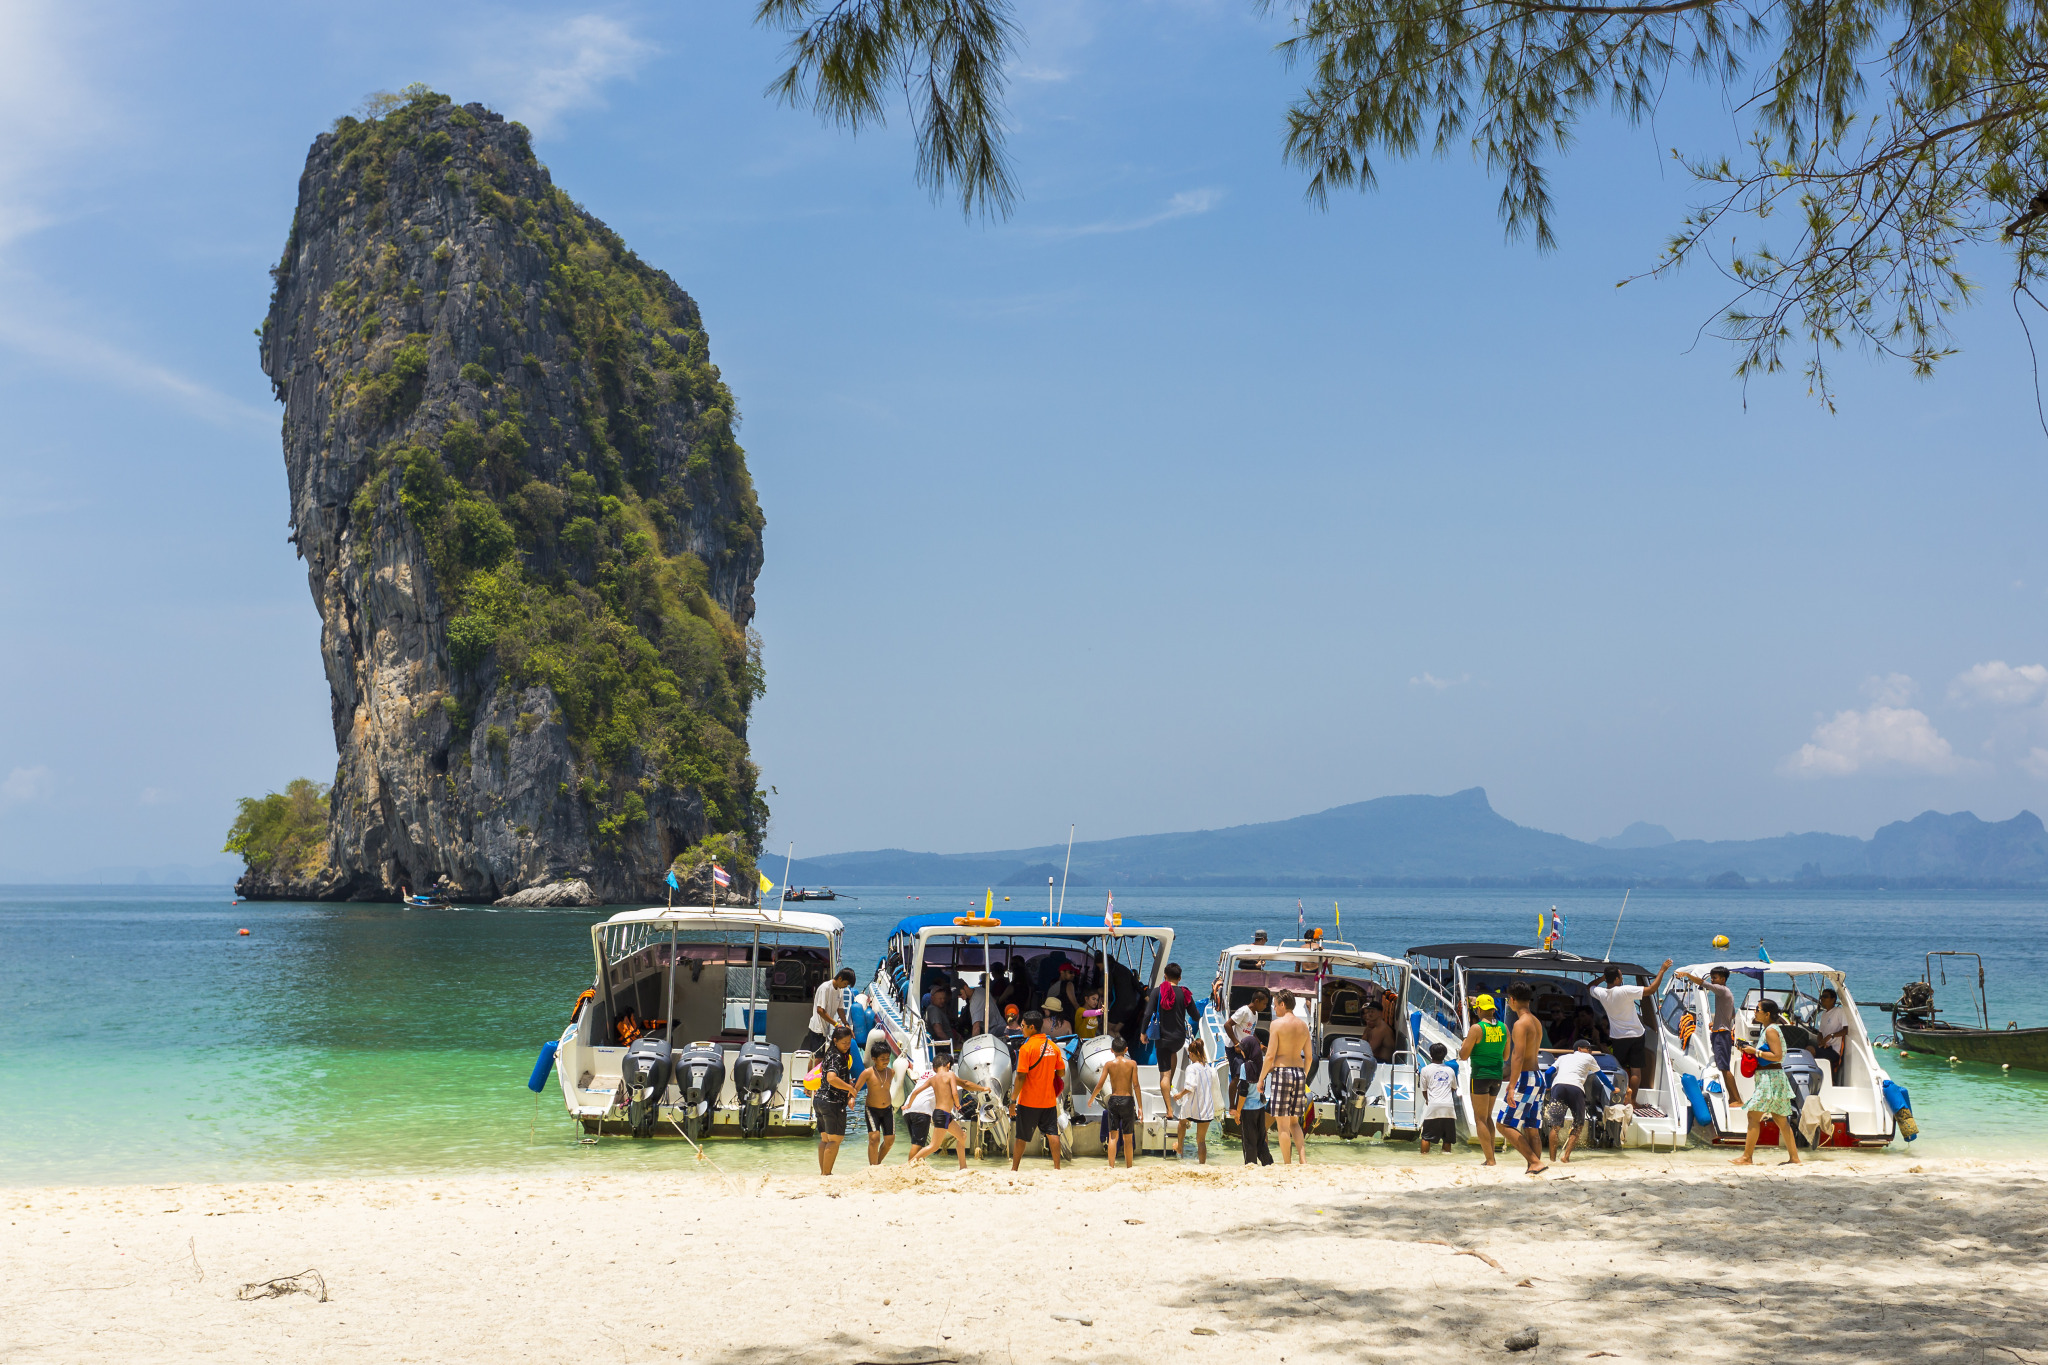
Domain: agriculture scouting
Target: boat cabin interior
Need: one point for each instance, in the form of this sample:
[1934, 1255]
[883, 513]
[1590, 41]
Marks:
[1031, 959]
[1798, 995]
[1563, 986]
[719, 977]
[1341, 993]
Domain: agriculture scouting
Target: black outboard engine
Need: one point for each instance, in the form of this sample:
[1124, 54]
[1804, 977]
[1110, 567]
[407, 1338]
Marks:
[700, 1075]
[1916, 1005]
[1352, 1067]
[1602, 1086]
[1802, 1073]
[756, 1071]
[645, 1073]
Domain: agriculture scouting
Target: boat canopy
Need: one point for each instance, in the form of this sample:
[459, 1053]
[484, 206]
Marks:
[1332, 952]
[1507, 957]
[1036, 928]
[1764, 968]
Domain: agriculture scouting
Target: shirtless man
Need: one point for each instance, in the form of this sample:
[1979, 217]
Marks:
[1286, 1075]
[946, 1125]
[1120, 1074]
[1521, 1118]
[1379, 1034]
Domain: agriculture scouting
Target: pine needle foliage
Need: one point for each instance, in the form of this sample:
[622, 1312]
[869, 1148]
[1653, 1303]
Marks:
[1883, 139]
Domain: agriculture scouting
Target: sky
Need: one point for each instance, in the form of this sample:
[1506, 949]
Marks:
[1170, 502]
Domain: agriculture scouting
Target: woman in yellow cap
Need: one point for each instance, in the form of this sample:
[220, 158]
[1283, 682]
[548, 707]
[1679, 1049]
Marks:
[1485, 1050]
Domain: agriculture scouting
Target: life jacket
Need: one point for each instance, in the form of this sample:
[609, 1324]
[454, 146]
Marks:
[628, 1029]
[581, 1001]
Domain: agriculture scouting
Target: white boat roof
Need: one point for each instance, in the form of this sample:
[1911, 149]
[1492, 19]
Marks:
[1735, 965]
[1295, 950]
[729, 917]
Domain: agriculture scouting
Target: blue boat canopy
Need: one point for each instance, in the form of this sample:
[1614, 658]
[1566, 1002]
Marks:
[1033, 926]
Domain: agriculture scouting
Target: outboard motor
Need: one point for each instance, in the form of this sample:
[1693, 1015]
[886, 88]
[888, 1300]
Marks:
[645, 1073]
[985, 1060]
[1802, 1073]
[1093, 1055]
[1916, 1005]
[1351, 1069]
[700, 1075]
[756, 1071]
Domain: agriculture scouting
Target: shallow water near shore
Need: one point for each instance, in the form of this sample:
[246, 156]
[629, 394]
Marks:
[148, 1042]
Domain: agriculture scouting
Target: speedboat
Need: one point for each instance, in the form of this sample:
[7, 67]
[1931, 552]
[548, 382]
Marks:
[696, 1022]
[933, 949]
[1354, 1088]
[1858, 1106]
[1448, 975]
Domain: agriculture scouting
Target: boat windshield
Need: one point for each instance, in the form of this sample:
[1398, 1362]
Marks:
[727, 983]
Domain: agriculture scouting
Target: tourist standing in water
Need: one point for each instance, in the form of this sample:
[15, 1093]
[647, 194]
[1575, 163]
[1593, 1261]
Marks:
[876, 1081]
[835, 1092]
[1522, 1111]
[1286, 1076]
[1485, 1050]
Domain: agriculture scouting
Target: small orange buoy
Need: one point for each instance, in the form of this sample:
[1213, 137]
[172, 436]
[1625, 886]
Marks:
[243, 932]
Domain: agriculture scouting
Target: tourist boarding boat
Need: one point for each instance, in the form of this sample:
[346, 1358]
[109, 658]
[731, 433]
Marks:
[924, 950]
[696, 1024]
[1354, 1089]
[1448, 975]
[1858, 1107]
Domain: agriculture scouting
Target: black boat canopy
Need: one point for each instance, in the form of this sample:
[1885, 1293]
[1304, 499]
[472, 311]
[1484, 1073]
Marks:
[1509, 957]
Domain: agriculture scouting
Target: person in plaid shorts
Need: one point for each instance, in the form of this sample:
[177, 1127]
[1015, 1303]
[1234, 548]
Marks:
[1521, 1117]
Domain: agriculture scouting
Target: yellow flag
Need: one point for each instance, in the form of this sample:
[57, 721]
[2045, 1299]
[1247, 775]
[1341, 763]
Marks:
[988, 910]
[1340, 917]
[766, 885]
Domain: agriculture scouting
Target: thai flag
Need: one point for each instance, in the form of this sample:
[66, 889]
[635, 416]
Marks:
[720, 875]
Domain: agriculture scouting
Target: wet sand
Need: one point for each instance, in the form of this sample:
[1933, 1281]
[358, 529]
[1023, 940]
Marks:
[1641, 1258]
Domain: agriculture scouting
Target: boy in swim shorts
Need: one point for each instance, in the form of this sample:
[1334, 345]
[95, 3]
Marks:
[946, 1125]
[1521, 1117]
[881, 1117]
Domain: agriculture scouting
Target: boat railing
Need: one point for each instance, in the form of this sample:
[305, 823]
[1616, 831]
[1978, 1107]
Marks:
[1441, 1005]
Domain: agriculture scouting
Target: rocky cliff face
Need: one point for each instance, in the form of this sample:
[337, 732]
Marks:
[529, 532]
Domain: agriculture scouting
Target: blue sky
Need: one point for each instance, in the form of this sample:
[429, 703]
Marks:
[1170, 502]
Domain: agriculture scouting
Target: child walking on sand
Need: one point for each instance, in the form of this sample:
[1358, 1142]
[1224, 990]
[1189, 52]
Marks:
[875, 1081]
[1195, 1101]
[946, 1125]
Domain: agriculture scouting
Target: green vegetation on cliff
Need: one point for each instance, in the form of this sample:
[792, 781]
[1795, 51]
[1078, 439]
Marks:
[283, 835]
[559, 475]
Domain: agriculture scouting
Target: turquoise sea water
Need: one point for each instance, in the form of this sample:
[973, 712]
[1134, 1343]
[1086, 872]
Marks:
[144, 1040]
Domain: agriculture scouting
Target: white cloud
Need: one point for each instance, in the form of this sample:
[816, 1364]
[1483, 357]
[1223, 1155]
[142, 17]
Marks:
[541, 72]
[55, 127]
[24, 785]
[1890, 689]
[1186, 204]
[1440, 684]
[1998, 683]
[1883, 737]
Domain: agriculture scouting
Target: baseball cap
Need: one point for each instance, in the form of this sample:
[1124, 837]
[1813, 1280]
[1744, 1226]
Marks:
[1483, 1002]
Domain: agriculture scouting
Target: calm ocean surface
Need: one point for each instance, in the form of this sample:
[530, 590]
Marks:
[146, 1041]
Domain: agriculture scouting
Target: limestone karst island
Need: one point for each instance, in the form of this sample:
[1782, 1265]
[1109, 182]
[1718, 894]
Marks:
[530, 534]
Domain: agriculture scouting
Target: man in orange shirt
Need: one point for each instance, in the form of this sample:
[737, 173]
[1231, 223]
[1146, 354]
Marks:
[1035, 1095]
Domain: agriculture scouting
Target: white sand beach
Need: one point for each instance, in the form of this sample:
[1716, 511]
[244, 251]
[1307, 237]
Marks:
[1845, 1260]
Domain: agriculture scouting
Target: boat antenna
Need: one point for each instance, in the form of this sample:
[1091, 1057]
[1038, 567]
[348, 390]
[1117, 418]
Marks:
[1061, 912]
[1608, 956]
[787, 859]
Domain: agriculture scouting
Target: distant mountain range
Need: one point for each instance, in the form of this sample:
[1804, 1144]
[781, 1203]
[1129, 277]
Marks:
[1461, 840]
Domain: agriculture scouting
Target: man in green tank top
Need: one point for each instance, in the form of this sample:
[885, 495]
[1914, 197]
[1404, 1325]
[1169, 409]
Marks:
[1485, 1050]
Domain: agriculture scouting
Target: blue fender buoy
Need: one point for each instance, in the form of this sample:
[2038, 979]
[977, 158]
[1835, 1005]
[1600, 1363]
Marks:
[1702, 1112]
[542, 1065]
[1902, 1109]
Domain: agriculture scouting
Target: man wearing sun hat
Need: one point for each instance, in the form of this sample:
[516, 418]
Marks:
[1485, 1051]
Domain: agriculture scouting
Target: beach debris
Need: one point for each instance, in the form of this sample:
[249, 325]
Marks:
[1524, 1340]
[1466, 1251]
[1203, 1331]
[309, 1282]
[1069, 1317]
[1134, 1221]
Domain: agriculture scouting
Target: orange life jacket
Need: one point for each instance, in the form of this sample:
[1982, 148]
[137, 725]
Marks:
[581, 1001]
[628, 1029]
